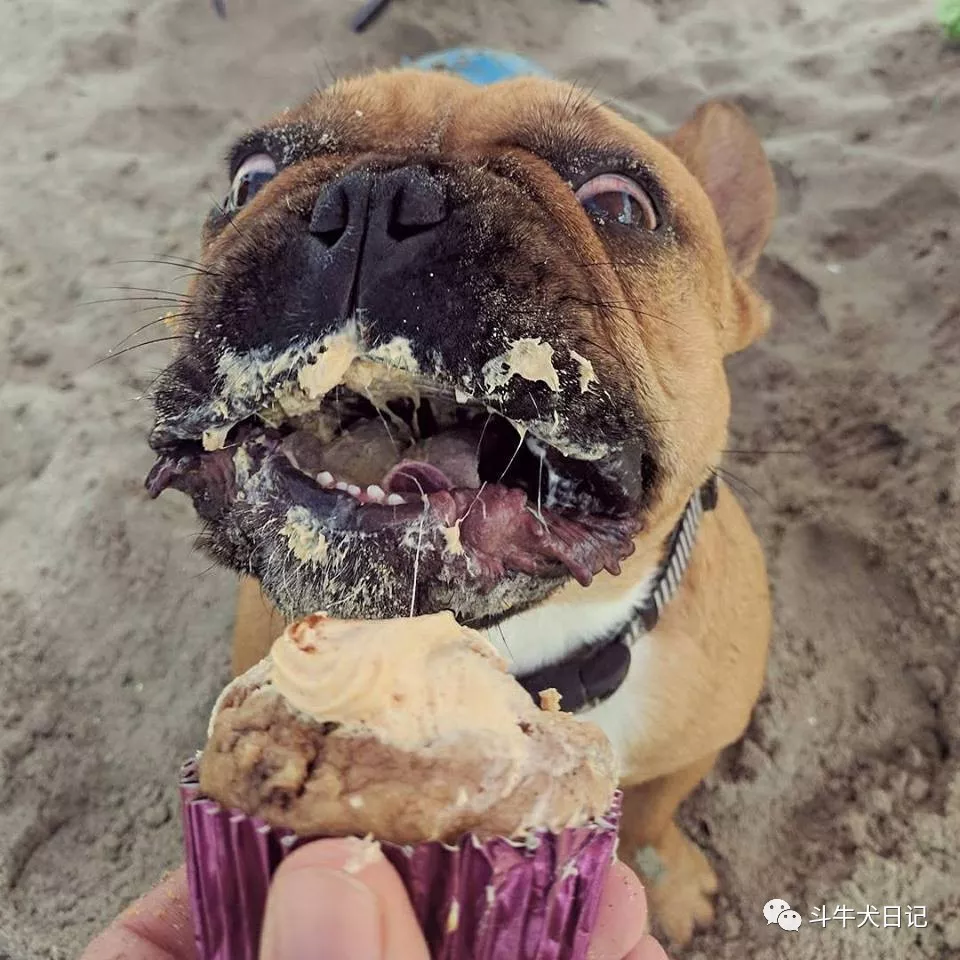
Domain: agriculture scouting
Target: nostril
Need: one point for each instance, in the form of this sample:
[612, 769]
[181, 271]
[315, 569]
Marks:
[419, 205]
[330, 216]
[400, 231]
[399, 205]
[328, 238]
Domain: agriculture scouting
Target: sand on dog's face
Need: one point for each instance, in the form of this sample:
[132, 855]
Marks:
[409, 431]
[845, 790]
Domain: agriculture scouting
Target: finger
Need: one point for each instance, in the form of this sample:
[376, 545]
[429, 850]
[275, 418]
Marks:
[156, 927]
[622, 919]
[647, 949]
[345, 896]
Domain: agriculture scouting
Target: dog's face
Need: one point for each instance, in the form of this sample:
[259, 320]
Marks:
[453, 345]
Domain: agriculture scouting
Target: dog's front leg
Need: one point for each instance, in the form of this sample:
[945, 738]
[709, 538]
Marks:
[256, 625]
[678, 877]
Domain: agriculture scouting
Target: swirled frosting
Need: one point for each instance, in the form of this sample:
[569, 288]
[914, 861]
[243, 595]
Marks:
[413, 680]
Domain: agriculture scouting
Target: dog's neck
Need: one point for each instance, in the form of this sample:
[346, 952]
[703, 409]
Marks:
[554, 630]
[570, 624]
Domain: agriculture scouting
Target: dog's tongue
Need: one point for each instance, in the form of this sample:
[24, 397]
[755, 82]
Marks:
[368, 454]
[415, 476]
[502, 533]
[444, 462]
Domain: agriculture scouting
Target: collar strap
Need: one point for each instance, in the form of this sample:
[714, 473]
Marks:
[591, 675]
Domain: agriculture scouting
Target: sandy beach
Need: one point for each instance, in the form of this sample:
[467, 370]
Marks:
[114, 630]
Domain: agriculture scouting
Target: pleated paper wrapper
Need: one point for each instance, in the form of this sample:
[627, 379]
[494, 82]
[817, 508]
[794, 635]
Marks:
[495, 899]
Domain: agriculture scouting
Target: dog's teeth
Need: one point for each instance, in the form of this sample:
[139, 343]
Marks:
[375, 493]
[394, 500]
[342, 485]
[325, 479]
[353, 490]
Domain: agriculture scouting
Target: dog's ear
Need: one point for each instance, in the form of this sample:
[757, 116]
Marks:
[722, 150]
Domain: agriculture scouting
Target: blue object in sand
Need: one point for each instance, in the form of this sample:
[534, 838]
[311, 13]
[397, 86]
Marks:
[479, 65]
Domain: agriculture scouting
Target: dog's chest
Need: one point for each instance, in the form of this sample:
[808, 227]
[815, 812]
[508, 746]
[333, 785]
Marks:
[549, 633]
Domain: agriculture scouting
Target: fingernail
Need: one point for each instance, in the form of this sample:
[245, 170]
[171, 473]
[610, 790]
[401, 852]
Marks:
[317, 912]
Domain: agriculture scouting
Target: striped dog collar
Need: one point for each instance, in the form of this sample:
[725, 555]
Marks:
[592, 674]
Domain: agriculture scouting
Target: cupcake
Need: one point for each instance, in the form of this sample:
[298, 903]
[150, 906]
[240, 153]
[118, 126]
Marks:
[499, 814]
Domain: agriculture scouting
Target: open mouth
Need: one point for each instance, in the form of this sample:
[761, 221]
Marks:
[419, 468]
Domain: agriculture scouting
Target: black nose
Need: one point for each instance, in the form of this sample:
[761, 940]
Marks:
[379, 212]
[378, 244]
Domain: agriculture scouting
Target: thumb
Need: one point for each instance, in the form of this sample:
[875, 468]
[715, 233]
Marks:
[339, 898]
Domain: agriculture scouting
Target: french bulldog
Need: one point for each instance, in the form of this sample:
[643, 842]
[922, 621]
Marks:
[462, 347]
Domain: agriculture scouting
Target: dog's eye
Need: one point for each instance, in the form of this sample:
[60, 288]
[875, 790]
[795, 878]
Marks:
[251, 175]
[611, 198]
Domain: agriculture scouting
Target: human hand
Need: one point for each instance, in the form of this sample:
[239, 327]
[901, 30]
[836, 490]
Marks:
[364, 915]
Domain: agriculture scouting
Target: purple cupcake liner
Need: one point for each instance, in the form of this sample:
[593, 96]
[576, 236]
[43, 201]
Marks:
[477, 900]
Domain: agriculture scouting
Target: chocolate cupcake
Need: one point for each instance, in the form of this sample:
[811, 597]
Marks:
[500, 815]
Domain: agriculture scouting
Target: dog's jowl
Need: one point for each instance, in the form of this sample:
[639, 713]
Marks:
[461, 347]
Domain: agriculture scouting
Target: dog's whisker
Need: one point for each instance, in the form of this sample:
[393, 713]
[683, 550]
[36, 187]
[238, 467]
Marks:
[618, 97]
[191, 273]
[152, 384]
[144, 326]
[236, 226]
[194, 266]
[113, 355]
[166, 259]
[580, 97]
[506, 645]
[157, 306]
[577, 89]
[170, 316]
[643, 315]
[177, 301]
[611, 263]
[767, 453]
[231, 221]
[205, 570]
[599, 347]
[169, 293]
[738, 481]
[625, 305]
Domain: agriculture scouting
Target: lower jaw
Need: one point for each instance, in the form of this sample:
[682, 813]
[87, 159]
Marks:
[267, 517]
